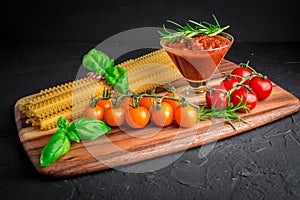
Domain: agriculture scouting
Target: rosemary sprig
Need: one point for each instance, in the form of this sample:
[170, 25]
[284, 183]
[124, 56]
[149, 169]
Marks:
[187, 31]
[228, 114]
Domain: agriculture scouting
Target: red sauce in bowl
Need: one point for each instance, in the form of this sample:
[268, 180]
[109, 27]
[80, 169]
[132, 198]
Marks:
[198, 58]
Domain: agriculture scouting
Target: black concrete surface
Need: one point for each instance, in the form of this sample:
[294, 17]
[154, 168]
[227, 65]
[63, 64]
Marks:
[94, 20]
[259, 164]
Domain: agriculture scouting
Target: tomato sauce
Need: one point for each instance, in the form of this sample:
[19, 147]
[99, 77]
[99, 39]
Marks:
[198, 58]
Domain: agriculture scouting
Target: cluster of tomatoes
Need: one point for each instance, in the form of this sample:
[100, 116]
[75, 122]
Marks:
[244, 86]
[139, 112]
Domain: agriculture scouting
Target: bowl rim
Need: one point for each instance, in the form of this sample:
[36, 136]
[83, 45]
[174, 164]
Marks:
[224, 34]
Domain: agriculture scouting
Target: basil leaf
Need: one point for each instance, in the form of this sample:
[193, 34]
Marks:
[117, 77]
[97, 61]
[89, 128]
[73, 136]
[58, 145]
[62, 123]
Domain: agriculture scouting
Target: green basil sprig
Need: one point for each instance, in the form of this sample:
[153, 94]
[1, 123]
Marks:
[60, 143]
[98, 62]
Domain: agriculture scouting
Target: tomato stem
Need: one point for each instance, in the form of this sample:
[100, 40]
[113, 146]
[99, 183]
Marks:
[246, 65]
[136, 98]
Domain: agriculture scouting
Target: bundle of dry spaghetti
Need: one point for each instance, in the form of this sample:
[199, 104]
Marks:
[70, 99]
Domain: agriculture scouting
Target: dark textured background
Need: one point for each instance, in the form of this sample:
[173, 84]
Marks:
[42, 44]
[95, 20]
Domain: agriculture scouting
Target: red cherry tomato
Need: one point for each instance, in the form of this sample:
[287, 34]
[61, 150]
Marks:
[96, 113]
[163, 116]
[242, 95]
[261, 86]
[186, 116]
[230, 82]
[216, 97]
[114, 116]
[243, 72]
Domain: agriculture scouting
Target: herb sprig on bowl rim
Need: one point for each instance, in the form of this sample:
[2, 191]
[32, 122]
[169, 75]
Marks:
[188, 31]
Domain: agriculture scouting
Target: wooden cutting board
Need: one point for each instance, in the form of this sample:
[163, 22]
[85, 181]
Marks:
[124, 146]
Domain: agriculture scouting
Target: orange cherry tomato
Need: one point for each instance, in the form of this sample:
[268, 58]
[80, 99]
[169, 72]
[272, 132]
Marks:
[147, 102]
[96, 113]
[186, 116]
[173, 103]
[164, 116]
[114, 116]
[105, 103]
[137, 117]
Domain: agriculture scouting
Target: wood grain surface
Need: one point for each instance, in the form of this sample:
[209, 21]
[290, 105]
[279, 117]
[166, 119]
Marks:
[123, 146]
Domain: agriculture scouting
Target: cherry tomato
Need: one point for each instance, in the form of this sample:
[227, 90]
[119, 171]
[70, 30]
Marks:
[147, 102]
[186, 116]
[243, 95]
[261, 86]
[114, 116]
[163, 116]
[173, 103]
[216, 97]
[96, 113]
[231, 82]
[243, 72]
[137, 117]
[105, 103]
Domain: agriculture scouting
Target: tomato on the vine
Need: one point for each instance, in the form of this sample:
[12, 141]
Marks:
[105, 103]
[186, 116]
[147, 102]
[261, 86]
[243, 72]
[114, 116]
[231, 82]
[173, 103]
[163, 116]
[241, 95]
[137, 117]
[216, 97]
[96, 112]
